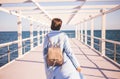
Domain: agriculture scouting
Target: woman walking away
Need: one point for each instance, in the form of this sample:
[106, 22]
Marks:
[66, 66]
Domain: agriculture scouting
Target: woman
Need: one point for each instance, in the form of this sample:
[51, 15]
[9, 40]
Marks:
[70, 68]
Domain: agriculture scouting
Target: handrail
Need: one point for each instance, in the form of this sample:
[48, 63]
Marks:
[9, 43]
[106, 40]
[3, 55]
[9, 52]
[111, 41]
[25, 39]
[111, 51]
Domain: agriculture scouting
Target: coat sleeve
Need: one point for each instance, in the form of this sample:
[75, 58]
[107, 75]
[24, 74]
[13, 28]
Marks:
[68, 51]
[45, 47]
[45, 50]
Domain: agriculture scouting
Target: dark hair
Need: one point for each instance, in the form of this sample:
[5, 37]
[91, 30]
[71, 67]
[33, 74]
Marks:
[56, 24]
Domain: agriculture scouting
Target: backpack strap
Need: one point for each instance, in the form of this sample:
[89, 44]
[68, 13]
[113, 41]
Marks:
[57, 44]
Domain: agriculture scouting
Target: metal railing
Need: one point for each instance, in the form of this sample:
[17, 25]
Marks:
[24, 46]
[71, 35]
[111, 51]
[8, 49]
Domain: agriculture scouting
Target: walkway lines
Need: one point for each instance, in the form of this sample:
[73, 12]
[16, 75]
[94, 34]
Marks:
[94, 66]
[30, 66]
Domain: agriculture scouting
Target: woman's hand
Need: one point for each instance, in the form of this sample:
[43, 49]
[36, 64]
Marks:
[78, 69]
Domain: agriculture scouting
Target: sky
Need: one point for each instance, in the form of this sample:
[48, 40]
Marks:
[9, 22]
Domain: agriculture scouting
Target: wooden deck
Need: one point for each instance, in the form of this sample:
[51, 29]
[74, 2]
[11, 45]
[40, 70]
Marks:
[31, 65]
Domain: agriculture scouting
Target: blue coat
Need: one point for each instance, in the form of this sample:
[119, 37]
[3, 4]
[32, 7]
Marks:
[68, 69]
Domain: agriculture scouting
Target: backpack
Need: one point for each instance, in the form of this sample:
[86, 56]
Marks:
[54, 54]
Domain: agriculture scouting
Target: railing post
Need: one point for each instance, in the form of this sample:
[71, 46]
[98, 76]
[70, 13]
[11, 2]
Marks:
[19, 35]
[38, 36]
[82, 32]
[8, 54]
[76, 34]
[115, 52]
[85, 32]
[92, 32]
[31, 34]
[103, 33]
[42, 35]
[24, 47]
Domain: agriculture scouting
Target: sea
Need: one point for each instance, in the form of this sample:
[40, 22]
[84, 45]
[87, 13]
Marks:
[9, 36]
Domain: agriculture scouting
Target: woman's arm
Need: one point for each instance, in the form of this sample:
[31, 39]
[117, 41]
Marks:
[69, 53]
[45, 50]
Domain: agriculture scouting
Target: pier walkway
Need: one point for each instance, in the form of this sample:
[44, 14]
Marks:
[31, 65]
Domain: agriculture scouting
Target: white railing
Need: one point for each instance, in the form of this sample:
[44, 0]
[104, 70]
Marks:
[8, 49]
[8, 52]
[115, 43]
